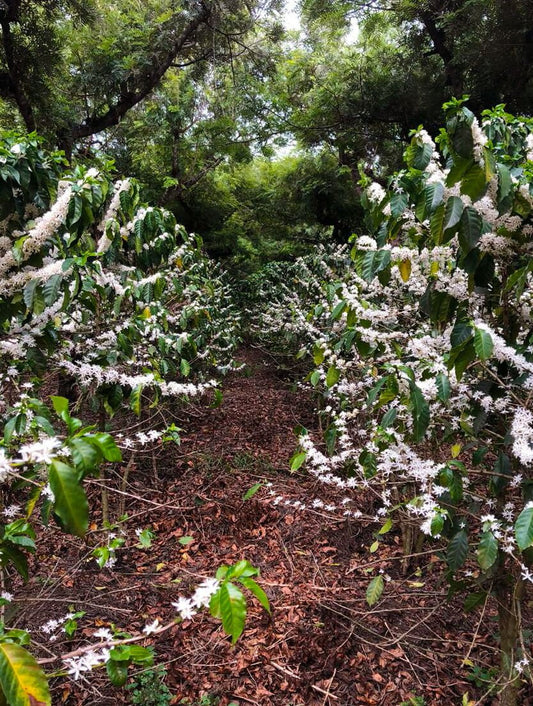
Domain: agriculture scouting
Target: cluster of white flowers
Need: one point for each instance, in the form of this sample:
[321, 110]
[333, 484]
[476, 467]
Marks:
[45, 228]
[522, 433]
[480, 141]
[51, 627]
[188, 607]
[77, 666]
[114, 205]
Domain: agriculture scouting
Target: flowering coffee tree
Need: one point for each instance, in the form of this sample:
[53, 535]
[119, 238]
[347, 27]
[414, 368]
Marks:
[286, 296]
[423, 361]
[112, 302]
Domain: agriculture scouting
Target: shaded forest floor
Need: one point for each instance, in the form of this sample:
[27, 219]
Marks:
[322, 645]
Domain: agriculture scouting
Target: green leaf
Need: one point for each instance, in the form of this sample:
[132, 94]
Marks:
[420, 411]
[373, 262]
[487, 551]
[375, 590]
[421, 156]
[70, 501]
[332, 376]
[185, 367]
[117, 671]
[483, 344]
[519, 279]
[252, 491]
[473, 600]
[437, 223]
[10, 553]
[389, 418]
[452, 216]
[375, 391]
[463, 360]
[433, 194]
[437, 523]
[232, 610]
[28, 293]
[315, 378]
[136, 399]
[51, 289]
[443, 387]
[60, 404]
[398, 204]
[338, 310]
[318, 354]
[387, 526]
[75, 209]
[457, 550]
[242, 568]
[505, 188]
[298, 460]
[22, 680]
[84, 455]
[185, 541]
[461, 332]
[107, 446]
[470, 227]
[462, 139]
[474, 182]
[257, 591]
[524, 528]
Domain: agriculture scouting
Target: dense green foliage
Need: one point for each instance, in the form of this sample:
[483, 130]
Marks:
[272, 147]
[420, 355]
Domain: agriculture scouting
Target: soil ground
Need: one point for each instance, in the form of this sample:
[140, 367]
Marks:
[322, 645]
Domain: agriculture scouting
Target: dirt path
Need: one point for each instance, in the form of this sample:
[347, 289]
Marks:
[322, 646]
[258, 416]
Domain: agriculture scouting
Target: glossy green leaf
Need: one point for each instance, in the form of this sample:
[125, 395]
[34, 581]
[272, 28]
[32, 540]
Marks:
[443, 387]
[136, 400]
[375, 590]
[332, 376]
[420, 412]
[420, 156]
[457, 550]
[107, 446]
[389, 418]
[117, 671]
[483, 344]
[252, 491]
[487, 551]
[398, 204]
[70, 501]
[257, 591]
[22, 680]
[524, 528]
[436, 223]
[298, 460]
[470, 227]
[51, 289]
[474, 182]
[452, 216]
[433, 195]
[374, 261]
[60, 404]
[84, 455]
[232, 610]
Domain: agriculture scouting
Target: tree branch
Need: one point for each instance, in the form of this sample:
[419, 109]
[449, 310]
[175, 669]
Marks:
[13, 85]
[145, 83]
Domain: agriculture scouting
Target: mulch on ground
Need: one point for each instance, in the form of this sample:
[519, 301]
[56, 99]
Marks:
[322, 645]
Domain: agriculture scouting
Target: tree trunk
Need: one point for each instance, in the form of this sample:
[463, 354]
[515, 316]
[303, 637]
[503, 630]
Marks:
[509, 595]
